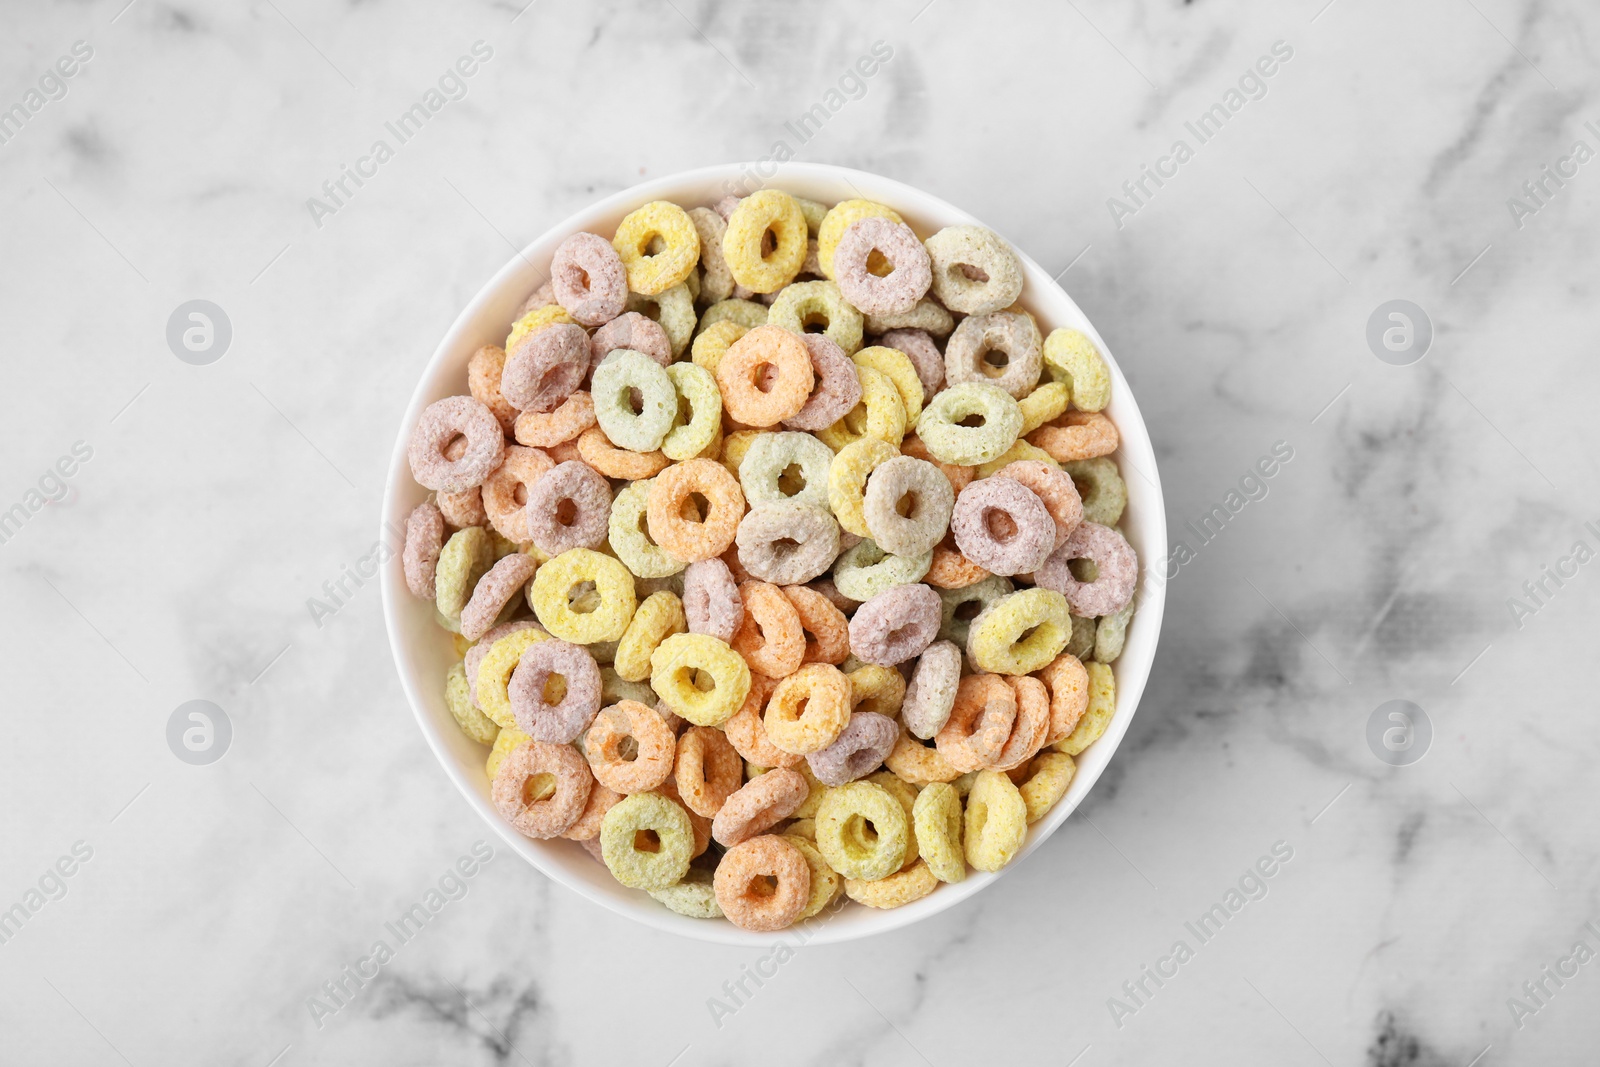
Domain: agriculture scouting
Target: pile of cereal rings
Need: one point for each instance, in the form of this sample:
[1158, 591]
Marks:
[819, 539]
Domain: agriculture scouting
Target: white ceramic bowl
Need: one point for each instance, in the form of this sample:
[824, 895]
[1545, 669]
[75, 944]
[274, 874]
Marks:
[422, 650]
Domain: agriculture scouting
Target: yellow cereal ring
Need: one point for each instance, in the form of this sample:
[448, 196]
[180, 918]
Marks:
[536, 320]
[768, 210]
[1018, 451]
[651, 273]
[906, 794]
[936, 818]
[712, 344]
[825, 881]
[746, 313]
[462, 561]
[898, 368]
[808, 806]
[554, 582]
[847, 480]
[862, 831]
[881, 414]
[912, 883]
[1048, 777]
[458, 698]
[997, 821]
[680, 665]
[1102, 705]
[494, 674]
[806, 828]
[1071, 358]
[692, 435]
[507, 740]
[808, 709]
[736, 445]
[839, 219]
[658, 618]
[1021, 632]
[877, 689]
[1049, 401]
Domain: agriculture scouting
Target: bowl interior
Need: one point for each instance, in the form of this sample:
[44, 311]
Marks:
[423, 651]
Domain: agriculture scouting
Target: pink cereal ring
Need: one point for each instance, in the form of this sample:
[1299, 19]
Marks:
[493, 592]
[588, 280]
[632, 330]
[550, 816]
[443, 423]
[505, 492]
[1112, 588]
[462, 509]
[559, 723]
[570, 507]
[837, 386]
[1002, 526]
[424, 540]
[543, 368]
[924, 355]
[860, 749]
[899, 290]
[711, 599]
[896, 625]
[758, 805]
[474, 657]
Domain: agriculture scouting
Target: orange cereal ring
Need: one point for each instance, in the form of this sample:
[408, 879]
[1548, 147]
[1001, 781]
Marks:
[565, 452]
[749, 395]
[693, 539]
[541, 429]
[826, 625]
[601, 800]
[483, 382]
[744, 884]
[960, 477]
[541, 788]
[950, 569]
[759, 805]
[708, 770]
[1077, 435]
[809, 709]
[1068, 680]
[613, 767]
[1054, 488]
[698, 824]
[1031, 727]
[505, 492]
[746, 733]
[979, 724]
[463, 509]
[918, 763]
[771, 638]
[596, 449]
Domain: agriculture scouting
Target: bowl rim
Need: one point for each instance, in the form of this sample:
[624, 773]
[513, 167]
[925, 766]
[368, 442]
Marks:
[401, 494]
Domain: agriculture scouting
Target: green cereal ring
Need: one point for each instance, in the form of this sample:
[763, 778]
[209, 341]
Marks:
[693, 896]
[1104, 492]
[615, 380]
[1082, 641]
[673, 309]
[806, 304]
[936, 817]
[552, 589]
[697, 390]
[1102, 704]
[941, 426]
[957, 247]
[614, 689]
[906, 794]
[997, 821]
[462, 561]
[457, 697]
[963, 605]
[764, 473]
[630, 536]
[626, 846]
[1110, 633]
[814, 213]
[866, 570]
[843, 837]
[1072, 358]
[825, 881]
[746, 313]
[927, 316]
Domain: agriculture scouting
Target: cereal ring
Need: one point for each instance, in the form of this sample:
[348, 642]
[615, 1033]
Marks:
[837, 222]
[1019, 452]
[907, 506]
[596, 449]
[587, 279]
[745, 889]
[924, 355]
[716, 281]
[943, 428]
[1049, 775]
[462, 561]
[656, 619]
[633, 331]
[837, 386]
[587, 828]
[980, 722]
[424, 539]
[766, 211]
[692, 431]
[1102, 686]
[804, 306]
[711, 603]
[497, 588]
[559, 723]
[1077, 435]
[1074, 360]
[458, 698]
[462, 509]
[629, 538]
[553, 586]
[931, 691]
[906, 794]
[673, 310]
[475, 654]
[996, 641]
[531, 322]
[891, 294]
[683, 663]
[649, 272]
[963, 605]
[847, 480]
[864, 571]
[1054, 489]
[483, 382]
[950, 569]
[711, 344]
[570, 507]
[1002, 525]
[614, 689]
[758, 805]
[747, 395]
[881, 413]
[646, 841]
[997, 821]
[541, 297]
[936, 820]
[623, 375]
[671, 517]
[770, 639]
[1000, 348]
[1114, 559]
[974, 270]
[1031, 726]
[1046, 403]
[918, 763]
[878, 690]
[861, 747]
[543, 368]
[959, 477]
[765, 471]
[929, 316]
[491, 686]
[442, 423]
[1081, 645]
[895, 626]
[629, 768]
[542, 429]
[808, 709]
[694, 895]
[505, 743]
[825, 881]
[708, 770]
[745, 313]
[746, 733]
[862, 831]
[901, 372]
[819, 617]
[787, 544]
[1111, 633]
[901, 888]
[506, 491]
[541, 789]
[1104, 493]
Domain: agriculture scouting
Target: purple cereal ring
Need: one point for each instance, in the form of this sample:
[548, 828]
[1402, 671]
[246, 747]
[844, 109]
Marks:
[931, 690]
[725, 206]
[632, 330]
[569, 507]
[497, 588]
[474, 657]
[587, 278]
[1111, 590]
[836, 389]
[424, 539]
[443, 424]
[860, 749]
[1002, 526]
[896, 292]
[562, 722]
[787, 544]
[543, 368]
[924, 355]
[711, 600]
[896, 625]
[1013, 335]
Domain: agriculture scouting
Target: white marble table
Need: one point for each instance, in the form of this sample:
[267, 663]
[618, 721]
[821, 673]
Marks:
[207, 904]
